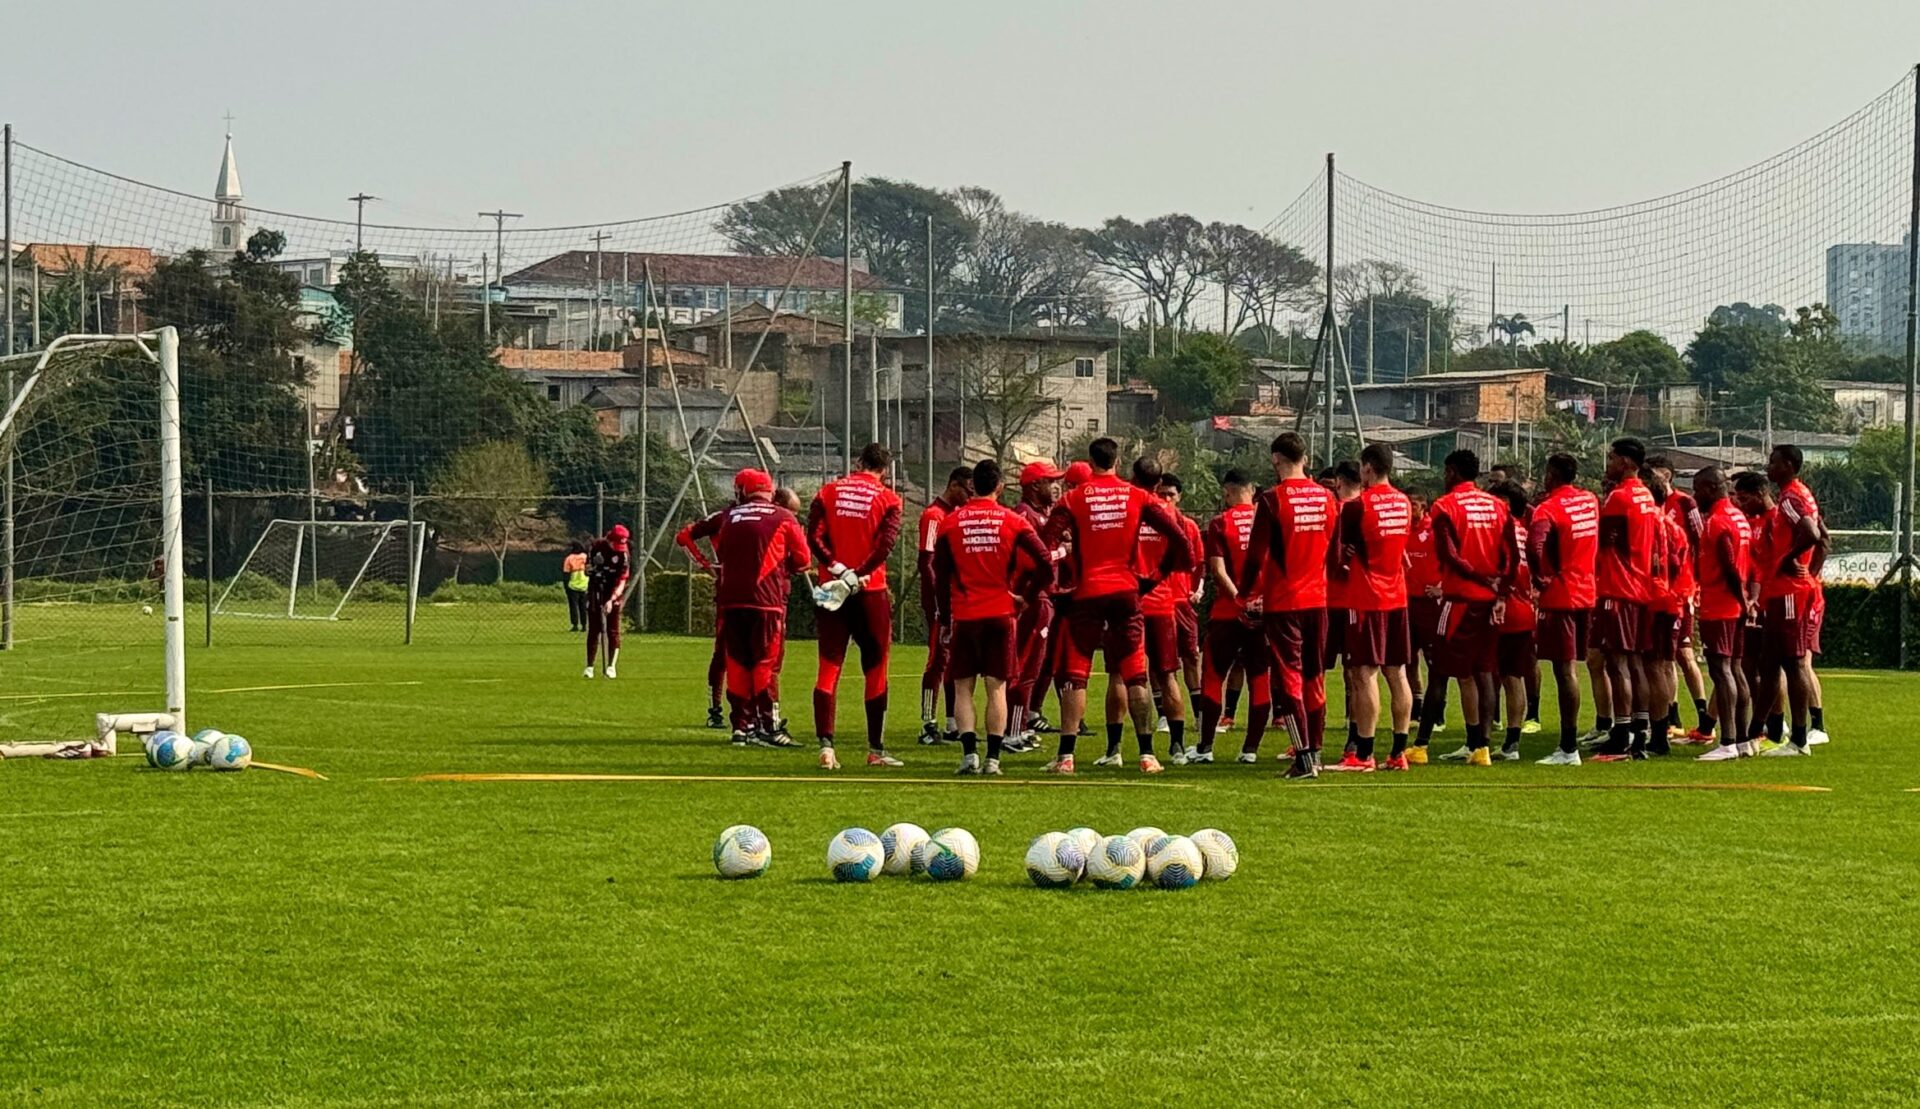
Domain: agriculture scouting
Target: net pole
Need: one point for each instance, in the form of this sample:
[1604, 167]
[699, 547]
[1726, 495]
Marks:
[208, 574]
[1332, 319]
[1913, 373]
[846, 314]
[415, 543]
[6, 478]
[173, 583]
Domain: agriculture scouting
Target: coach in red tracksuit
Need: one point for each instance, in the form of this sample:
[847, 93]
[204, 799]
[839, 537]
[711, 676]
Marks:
[760, 547]
[1033, 635]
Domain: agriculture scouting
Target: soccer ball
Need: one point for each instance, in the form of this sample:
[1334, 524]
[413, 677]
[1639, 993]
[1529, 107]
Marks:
[230, 752]
[1055, 861]
[203, 741]
[742, 851]
[172, 753]
[146, 610]
[1116, 864]
[949, 855]
[1144, 838]
[855, 855]
[900, 842]
[155, 740]
[1217, 849]
[1086, 838]
[1174, 863]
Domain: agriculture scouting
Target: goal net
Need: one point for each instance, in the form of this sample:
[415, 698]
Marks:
[90, 535]
[327, 570]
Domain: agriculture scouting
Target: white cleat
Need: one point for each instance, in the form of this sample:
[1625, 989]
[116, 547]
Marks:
[1560, 758]
[1115, 759]
[587, 673]
[1462, 755]
[1816, 737]
[1507, 754]
[1248, 757]
[1726, 752]
[1748, 748]
[612, 673]
[829, 760]
[1179, 757]
[1162, 726]
[969, 764]
[1785, 751]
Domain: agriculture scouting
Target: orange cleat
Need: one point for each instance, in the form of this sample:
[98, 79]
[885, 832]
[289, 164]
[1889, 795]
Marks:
[1395, 762]
[1354, 764]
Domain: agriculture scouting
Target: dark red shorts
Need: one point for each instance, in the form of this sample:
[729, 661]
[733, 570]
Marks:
[1518, 655]
[1816, 616]
[1789, 628]
[1423, 622]
[1684, 633]
[1112, 625]
[1470, 643]
[1622, 627]
[982, 649]
[1665, 641]
[1232, 643]
[1163, 643]
[753, 635]
[1336, 641]
[1560, 634]
[865, 620]
[1722, 638]
[1033, 638]
[1297, 640]
[1377, 637]
[1753, 639]
[1187, 622]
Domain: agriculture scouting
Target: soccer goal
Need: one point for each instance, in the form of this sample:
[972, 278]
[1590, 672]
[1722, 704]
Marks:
[90, 542]
[327, 570]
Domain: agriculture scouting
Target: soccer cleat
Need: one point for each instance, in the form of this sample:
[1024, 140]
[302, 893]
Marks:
[1464, 754]
[1019, 744]
[1197, 757]
[881, 758]
[1764, 744]
[969, 764]
[829, 760]
[951, 735]
[1748, 748]
[991, 769]
[777, 739]
[741, 739]
[1696, 738]
[929, 733]
[1084, 731]
[1061, 765]
[1115, 759]
[1161, 726]
[1039, 723]
[1395, 762]
[1440, 727]
[612, 673]
[1591, 738]
[1178, 756]
[1816, 737]
[1149, 765]
[1612, 754]
[1560, 758]
[1225, 725]
[1248, 757]
[1658, 746]
[716, 718]
[1353, 764]
[1303, 767]
[1416, 756]
[1529, 727]
[587, 673]
[1508, 754]
[1480, 757]
[1726, 752]
[1786, 750]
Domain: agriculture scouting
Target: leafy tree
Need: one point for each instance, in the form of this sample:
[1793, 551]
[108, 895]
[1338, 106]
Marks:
[1737, 338]
[1006, 388]
[1263, 275]
[1017, 271]
[1639, 356]
[1513, 327]
[1404, 317]
[1203, 378]
[1481, 359]
[490, 494]
[1165, 258]
[1789, 377]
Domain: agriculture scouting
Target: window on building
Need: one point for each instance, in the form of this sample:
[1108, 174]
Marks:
[679, 296]
[226, 236]
[1093, 425]
[553, 393]
[316, 275]
[1083, 367]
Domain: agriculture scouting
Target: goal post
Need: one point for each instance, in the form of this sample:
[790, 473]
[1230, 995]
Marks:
[327, 570]
[90, 459]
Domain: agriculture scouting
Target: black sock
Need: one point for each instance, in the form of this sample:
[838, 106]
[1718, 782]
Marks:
[1476, 736]
[993, 747]
[1701, 712]
[1815, 718]
[1799, 737]
[1353, 735]
[1673, 714]
[1233, 702]
[1145, 739]
[969, 743]
[1642, 724]
[1114, 732]
[1363, 746]
[1533, 705]
[1067, 740]
[1602, 724]
[1619, 737]
[1776, 726]
[1708, 722]
[1399, 744]
[1569, 737]
[1513, 738]
[877, 721]
[1177, 731]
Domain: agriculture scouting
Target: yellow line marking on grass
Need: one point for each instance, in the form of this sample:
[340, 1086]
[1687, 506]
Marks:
[1737, 787]
[297, 770]
[506, 777]
[58, 696]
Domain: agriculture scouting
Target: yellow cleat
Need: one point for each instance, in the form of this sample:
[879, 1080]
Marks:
[1416, 756]
[1480, 757]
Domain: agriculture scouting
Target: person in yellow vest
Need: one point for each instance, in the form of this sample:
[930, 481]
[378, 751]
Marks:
[573, 572]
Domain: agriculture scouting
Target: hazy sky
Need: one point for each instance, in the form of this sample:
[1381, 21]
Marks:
[579, 112]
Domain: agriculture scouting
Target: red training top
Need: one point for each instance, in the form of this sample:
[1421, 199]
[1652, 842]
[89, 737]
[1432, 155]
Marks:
[760, 547]
[1374, 528]
[1563, 542]
[977, 559]
[1423, 569]
[1520, 615]
[1227, 538]
[1151, 551]
[1794, 504]
[1102, 519]
[1625, 561]
[1292, 546]
[1472, 540]
[1726, 548]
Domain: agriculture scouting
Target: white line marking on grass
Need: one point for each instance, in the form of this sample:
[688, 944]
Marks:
[875, 780]
[1737, 787]
[64, 696]
[35, 815]
[346, 685]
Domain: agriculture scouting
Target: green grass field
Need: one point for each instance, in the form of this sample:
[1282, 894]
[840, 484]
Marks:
[1449, 936]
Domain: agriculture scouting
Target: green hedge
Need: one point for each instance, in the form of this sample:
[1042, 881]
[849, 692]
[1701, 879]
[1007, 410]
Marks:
[667, 608]
[1862, 628]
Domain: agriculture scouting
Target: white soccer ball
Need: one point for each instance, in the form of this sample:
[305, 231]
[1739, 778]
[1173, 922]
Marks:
[899, 842]
[203, 741]
[173, 753]
[1144, 838]
[1217, 850]
[1086, 838]
[855, 855]
[949, 855]
[1116, 864]
[742, 851]
[1055, 861]
[1174, 863]
[230, 752]
[146, 610]
[154, 740]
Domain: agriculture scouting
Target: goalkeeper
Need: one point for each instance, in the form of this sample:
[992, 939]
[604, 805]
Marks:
[608, 567]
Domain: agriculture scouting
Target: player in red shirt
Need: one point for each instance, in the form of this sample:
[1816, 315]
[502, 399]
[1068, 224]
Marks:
[1682, 510]
[1159, 610]
[1375, 526]
[933, 679]
[760, 546]
[852, 527]
[1474, 543]
[1563, 541]
[1766, 720]
[1187, 595]
[1102, 518]
[1233, 635]
[1724, 568]
[1795, 542]
[1078, 473]
[1284, 580]
[608, 567]
[1423, 619]
[990, 566]
[1518, 650]
[1344, 482]
[1033, 635]
[688, 539]
[1630, 540]
[1672, 597]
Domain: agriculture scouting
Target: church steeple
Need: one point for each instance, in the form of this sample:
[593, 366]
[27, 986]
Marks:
[229, 218]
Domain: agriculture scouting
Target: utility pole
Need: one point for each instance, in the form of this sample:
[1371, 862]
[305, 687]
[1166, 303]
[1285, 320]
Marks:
[929, 478]
[1493, 302]
[1426, 348]
[1332, 324]
[359, 202]
[1566, 323]
[846, 314]
[1369, 340]
[486, 297]
[499, 218]
[599, 240]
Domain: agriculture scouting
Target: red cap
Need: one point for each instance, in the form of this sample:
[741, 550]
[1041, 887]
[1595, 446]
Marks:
[1034, 472]
[750, 481]
[618, 534]
[1078, 473]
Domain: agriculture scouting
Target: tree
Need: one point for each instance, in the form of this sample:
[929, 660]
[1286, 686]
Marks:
[1638, 356]
[1005, 386]
[490, 494]
[1165, 258]
[1513, 327]
[1737, 338]
[1260, 274]
[1016, 271]
[1204, 377]
[1403, 315]
[1789, 378]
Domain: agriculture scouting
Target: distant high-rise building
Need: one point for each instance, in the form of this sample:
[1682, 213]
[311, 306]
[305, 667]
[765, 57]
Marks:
[1867, 290]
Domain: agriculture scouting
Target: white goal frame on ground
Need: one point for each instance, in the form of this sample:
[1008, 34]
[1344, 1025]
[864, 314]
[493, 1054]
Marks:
[162, 347]
[416, 546]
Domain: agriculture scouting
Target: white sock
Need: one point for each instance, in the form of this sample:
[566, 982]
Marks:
[927, 699]
[951, 726]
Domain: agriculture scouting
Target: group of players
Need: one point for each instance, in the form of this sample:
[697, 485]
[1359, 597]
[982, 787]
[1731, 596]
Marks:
[1340, 570]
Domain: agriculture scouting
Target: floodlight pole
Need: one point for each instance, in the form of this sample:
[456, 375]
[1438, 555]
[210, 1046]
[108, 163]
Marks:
[1332, 318]
[1913, 373]
[6, 398]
